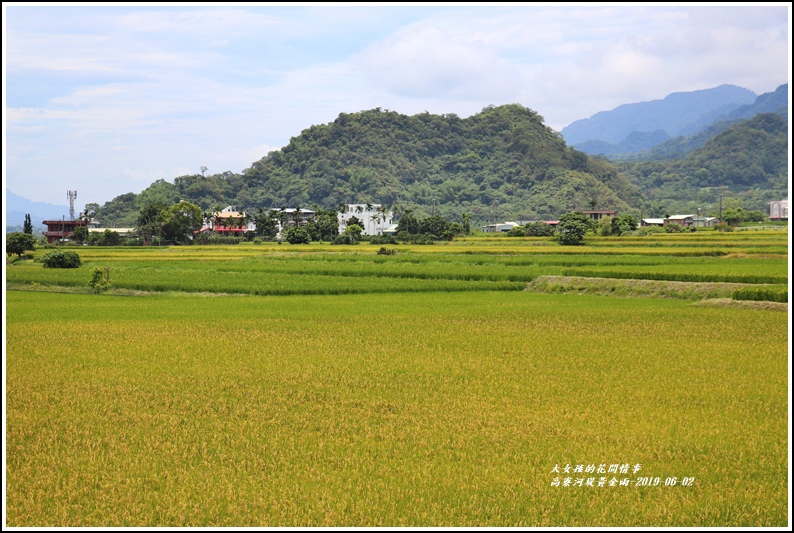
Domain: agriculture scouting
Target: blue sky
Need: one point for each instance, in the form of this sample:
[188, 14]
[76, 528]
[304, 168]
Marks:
[108, 99]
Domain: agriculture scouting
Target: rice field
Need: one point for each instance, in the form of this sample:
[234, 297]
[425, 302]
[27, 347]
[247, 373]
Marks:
[421, 389]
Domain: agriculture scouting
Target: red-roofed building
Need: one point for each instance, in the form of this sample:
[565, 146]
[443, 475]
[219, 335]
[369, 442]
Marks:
[58, 230]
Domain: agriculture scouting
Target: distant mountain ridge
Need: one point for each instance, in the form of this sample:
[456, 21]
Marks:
[677, 114]
[659, 139]
[17, 207]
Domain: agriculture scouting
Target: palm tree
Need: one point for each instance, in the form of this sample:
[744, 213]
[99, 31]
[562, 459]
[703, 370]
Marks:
[466, 222]
[296, 216]
[282, 217]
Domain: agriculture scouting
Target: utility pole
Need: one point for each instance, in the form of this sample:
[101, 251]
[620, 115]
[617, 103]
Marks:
[720, 206]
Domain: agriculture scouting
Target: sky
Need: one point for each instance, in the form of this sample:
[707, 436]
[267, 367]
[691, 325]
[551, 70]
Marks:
[107, 99]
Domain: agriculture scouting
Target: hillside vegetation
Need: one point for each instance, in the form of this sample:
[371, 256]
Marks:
[748, 161]
[502, 162]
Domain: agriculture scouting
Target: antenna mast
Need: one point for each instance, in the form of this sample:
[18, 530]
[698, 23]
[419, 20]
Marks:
[71, 195]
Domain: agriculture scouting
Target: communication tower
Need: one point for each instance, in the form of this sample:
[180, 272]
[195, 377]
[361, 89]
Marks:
[71, 195]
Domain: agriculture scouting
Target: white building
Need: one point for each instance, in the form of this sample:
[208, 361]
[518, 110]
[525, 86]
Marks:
[778, 210]
[372, 217]
[502, 227]
[292, 216]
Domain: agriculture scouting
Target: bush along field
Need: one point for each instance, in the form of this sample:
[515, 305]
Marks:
[410, 389]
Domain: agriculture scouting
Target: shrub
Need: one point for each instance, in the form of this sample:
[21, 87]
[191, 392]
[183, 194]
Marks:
[297, 235]
[100, 280]
[387, 251]
[61, 259]
[538, 229]
[341, 239]
[650, 230]
[383, 239]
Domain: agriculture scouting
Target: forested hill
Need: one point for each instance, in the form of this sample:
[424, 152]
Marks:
[748, 160]
[501, 162]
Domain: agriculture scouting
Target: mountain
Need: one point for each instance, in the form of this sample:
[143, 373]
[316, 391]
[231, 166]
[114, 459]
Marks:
[748, 160]
[17, 207]
[680, 113]
[500, 163]
[775, 102]
[634, 142]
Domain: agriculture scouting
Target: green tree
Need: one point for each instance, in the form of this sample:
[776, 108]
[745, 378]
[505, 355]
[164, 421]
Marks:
[266, 223]
[80, 234]
[408, 223]
[354, 232]
[27, 226]
[180, 221]
[624, 224]
[573, 227]
[324, 226]
[297, 235]
[435, 225]
[538, 229]
[733, 216]
[110, 238]
[150, 220]
[465, 222]
[18, 243]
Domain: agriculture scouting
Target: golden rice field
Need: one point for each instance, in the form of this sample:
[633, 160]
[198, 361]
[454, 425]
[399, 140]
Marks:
[428, 407]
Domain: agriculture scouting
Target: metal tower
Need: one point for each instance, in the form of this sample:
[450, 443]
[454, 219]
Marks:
[71, 195]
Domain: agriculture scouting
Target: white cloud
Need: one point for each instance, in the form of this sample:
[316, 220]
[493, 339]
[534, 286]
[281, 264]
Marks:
[153, 93]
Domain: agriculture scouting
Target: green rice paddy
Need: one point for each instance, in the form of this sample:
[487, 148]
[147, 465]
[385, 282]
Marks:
[330, 386]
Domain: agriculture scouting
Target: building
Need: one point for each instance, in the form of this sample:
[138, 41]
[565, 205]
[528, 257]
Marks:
[705, 222]
[374, 219]
[778, 210]
[292, 217]
[598, 214]
[123, 232]
[61, 230]
[228, 221]
[652, 222]
[502, 227]
[681, 220]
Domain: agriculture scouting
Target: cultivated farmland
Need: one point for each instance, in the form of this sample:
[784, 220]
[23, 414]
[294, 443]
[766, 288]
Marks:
[331, 386]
